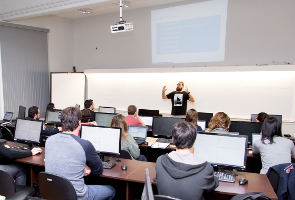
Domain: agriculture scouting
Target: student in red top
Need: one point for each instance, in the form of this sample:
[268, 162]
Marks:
[133, 118]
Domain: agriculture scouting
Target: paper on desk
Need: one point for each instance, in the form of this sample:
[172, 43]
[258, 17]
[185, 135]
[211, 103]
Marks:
[160, 145]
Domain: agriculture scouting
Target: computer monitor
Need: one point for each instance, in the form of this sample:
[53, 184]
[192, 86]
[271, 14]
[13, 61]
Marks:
[278, 117]
[222, 151]
[8, 116]
[138, 131]
[53, 117]
[107, 109]
[146, 112]
[147, 120]
[162, 126]
[106, 140]
[28, 131]
[205, 116]
[21, 112]
[103, 119]
[202, 124]
[245, 128]
[255, 136]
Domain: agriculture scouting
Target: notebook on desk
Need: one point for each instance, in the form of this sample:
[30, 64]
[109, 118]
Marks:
[139, 133]
[7, 118]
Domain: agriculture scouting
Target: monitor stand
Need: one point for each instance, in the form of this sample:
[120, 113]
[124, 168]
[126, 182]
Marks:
[104, 158]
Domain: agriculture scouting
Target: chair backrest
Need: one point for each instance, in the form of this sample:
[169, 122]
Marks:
[273, 178]
[6, 133]
[7, 184]
[125, 154]
[147, 193]
[162, 197]
[55, 187]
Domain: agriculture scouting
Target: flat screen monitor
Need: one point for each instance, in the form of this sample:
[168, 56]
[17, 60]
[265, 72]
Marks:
[106, 140]
[146, 112]
[222, 151]
[278, 117]
[245, 128]
[28, 131]
[8, 116]
[147, 120]
[107, 109]
[103, 119]
[205, 116]
[202, 124]
[162, 126]
[255, 136]
[53, 117]
[21, 112]
[138, 131]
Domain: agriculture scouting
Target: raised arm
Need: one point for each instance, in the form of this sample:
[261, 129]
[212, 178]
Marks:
[136, 115]
[191, 98]
[163, 93]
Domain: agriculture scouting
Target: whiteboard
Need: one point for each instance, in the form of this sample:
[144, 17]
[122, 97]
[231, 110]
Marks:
[237, 93]
[67, 89]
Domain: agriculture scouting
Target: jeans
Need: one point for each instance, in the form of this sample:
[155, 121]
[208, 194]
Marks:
[99, 192]
[17, 171]
[141, 158]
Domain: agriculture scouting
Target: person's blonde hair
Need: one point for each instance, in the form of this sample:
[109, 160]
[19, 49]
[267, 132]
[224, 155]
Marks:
[192, 116]
[120, 121]
[219, 120]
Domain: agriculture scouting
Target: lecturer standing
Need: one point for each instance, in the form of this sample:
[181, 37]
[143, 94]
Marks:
[178, 99]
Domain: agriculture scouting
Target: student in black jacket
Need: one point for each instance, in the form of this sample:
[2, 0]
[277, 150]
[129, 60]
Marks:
[181, 174]
[34, 114]
[16, 170]
[88, 104]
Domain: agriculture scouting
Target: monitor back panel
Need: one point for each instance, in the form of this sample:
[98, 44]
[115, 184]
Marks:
[205, 116]
[245, 128]
[21, 112]
[146, 112]
[162, 126]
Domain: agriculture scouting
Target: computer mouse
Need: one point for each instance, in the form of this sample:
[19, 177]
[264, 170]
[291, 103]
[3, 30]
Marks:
[124, 167]
[243, 181]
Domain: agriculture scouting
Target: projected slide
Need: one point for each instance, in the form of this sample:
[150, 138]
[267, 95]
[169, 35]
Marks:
[189, 33]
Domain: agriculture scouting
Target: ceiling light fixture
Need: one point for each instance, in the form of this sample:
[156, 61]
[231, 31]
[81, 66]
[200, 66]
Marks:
[125, 4]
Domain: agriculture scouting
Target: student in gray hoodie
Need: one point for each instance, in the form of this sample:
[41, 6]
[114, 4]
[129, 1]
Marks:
[181, 174]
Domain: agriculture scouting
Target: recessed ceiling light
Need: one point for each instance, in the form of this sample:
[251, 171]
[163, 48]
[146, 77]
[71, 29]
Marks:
[125, 4]
[85, 10]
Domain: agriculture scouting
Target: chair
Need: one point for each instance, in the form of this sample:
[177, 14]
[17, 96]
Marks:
[12, 191]
[147, 193]
[6, 133]
[273, 178]
[125, 154]
[55, 187]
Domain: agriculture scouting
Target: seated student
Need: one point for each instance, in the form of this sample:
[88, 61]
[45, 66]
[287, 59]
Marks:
[88, 104]
[68, 155]
[133, 118]
[34, 114]
[192, 117]
[219, 123]
[261, 117]
[16, 170]
[86, 115]
[50, 106]
[181, 174]
[273, 148]
[127, 141]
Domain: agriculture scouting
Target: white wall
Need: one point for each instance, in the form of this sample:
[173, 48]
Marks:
[60, 40]
[258, 32]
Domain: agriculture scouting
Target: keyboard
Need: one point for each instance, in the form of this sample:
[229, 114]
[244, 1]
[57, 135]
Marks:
[3, 141]
[226, 177]
[165, 140]
[108, 165]
[140, 141]
[23, 148]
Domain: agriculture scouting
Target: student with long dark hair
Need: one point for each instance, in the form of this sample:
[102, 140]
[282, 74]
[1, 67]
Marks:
[273, 148]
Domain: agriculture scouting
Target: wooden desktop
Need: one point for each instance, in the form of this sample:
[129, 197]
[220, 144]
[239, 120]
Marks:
[129, 183]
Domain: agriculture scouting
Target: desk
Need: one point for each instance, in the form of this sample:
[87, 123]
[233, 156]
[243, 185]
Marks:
[130, 183]
[253, 163]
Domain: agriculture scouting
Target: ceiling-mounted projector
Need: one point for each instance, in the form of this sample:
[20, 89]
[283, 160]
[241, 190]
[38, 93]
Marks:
[121, 26]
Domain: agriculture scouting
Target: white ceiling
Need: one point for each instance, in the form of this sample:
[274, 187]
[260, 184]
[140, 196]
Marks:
[22, 9]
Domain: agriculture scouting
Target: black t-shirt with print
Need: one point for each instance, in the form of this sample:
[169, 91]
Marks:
[179, 102]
